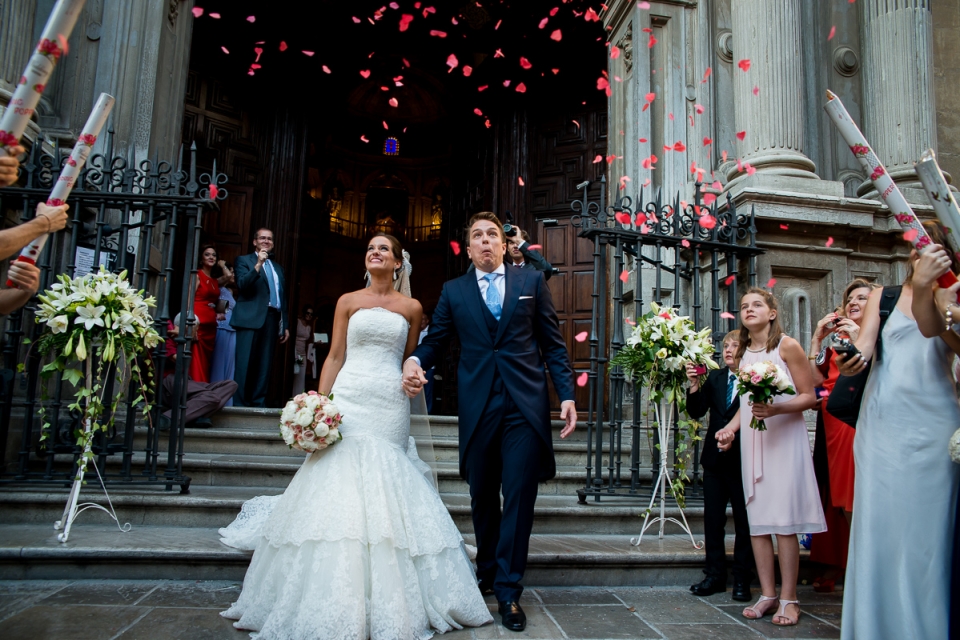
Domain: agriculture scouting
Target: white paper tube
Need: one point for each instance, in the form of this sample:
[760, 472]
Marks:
[71, 170]
[34, 80]
[885, 186]
[944, 204]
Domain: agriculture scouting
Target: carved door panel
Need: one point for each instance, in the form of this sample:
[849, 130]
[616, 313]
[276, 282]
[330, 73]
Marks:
[229, 229]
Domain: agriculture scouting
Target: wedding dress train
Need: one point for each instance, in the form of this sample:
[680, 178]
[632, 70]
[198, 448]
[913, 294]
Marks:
[360, 544]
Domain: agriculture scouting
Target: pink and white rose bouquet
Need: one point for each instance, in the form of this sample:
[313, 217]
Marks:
[763, 381]
[310, 422]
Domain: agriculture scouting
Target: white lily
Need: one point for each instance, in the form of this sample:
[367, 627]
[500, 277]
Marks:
[89, 316]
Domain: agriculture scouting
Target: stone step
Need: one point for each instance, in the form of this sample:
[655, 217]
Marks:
[32, 552]
[214, 507]
[249, 442]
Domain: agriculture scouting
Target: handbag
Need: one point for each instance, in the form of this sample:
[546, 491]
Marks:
[847, 395]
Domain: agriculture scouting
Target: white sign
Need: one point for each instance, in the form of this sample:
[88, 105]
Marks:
[84, 260]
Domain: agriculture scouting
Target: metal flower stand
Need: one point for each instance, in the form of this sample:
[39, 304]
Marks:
[72, 509]
[664, 416]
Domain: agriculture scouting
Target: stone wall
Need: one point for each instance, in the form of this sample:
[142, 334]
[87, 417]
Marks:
[946, 73]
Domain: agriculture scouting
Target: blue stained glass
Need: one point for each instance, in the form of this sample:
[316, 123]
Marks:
[391, 146]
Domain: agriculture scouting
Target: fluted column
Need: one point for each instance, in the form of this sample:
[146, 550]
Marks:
[16, 43]
[768, 33]
[898, 94]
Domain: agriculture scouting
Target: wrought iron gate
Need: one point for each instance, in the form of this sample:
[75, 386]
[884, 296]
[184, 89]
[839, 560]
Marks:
[144, 218]
[651, 239]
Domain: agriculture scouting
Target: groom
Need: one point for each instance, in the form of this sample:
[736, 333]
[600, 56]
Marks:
[508, 329]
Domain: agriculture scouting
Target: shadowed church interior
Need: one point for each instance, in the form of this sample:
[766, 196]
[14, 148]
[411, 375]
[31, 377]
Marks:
[335, 121]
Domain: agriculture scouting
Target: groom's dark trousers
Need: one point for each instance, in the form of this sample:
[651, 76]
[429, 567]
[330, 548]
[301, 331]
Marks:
[504, 413]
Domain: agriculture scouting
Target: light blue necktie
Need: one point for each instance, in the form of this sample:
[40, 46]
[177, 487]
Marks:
[731, 389]
[274, 294]
[493, 296]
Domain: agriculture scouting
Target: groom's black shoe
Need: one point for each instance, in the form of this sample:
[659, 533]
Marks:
[512, 616]
[741, 590]
[709, 586]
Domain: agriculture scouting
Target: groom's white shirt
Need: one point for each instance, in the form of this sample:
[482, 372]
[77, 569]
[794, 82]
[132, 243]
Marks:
[499, 282]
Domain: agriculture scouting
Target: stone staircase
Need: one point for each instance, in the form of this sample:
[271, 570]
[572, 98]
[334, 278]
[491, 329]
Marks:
[241, 456]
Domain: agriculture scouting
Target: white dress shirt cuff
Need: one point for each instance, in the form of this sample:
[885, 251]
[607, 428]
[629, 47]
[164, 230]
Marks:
[415, 359]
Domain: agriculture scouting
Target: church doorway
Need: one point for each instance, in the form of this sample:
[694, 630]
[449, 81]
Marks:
[335, 122]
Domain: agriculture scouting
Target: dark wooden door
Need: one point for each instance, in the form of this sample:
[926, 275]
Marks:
[229, 229]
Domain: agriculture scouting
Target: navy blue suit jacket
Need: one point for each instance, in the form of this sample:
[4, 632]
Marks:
[527, 337]
[254, 294]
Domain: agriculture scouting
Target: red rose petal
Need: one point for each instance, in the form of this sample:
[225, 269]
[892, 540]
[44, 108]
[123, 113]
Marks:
[197, 12]
[478, 112]
[650, 97]
[707, 221]
[556, 36]
[784, 226]
[730, 280]
[393, 102]
[756, 91]
[741, 135]
[307, 53]
[521, 88]
[582, 379]
[365, 73]
[364, 138]
[833, 32]
[744, 65]
[685, 243]
[438, 34]
[455, 247]
[624, 275]
[525, 63]
[520, 180]
[707, 142]
[467, 70]
[829, 242]
[771, 283]
[326, 69]
[599, 158]
[679, 146]
[283, 46]
[215, 16]
[726, 315]
[543, 23]
[580, 337]
[225, 50]
[405, 21]
[452, 61]
[910, 235]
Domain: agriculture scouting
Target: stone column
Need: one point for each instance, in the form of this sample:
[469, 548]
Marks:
[898, 95]
[768, 34]
[16, 43]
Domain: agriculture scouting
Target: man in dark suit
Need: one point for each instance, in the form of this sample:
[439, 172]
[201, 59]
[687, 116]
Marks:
[260, 317]
[722, 479]
[526, 258]
[508, 329]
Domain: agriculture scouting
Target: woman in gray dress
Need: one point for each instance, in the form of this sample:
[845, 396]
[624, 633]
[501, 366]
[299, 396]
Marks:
[898, 573]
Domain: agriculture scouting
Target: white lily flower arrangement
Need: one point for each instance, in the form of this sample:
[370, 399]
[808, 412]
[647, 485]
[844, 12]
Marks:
[97, 319]
[657, 351]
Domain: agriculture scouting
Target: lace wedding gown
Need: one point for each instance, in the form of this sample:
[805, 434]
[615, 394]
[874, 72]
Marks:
[360, 544]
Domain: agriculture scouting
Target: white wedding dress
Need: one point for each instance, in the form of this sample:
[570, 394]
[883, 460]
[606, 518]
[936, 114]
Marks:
[360, 544]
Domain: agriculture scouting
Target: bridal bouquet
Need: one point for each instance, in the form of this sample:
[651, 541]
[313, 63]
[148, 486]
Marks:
[309, 422]
[763, 381]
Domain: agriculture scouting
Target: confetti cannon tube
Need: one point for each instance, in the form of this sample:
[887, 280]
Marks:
[889, 193]
[944, 204]
[52, 46]
[71, 170]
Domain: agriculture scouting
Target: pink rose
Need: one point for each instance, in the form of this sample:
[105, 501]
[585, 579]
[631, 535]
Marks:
[39, 87]
[756, 378]
[876, 173]
[312, 393]
[89, 139]
[71, 162]
[328, 421]
[50, 48]
[55, 202]
[309, 435]
[7, 139]
[922, 241]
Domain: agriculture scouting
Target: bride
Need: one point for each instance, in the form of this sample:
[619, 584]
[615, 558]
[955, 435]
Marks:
[360, 544]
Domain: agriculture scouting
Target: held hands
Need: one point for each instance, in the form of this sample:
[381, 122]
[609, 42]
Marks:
[725, 438]
[9, 165]
[55, 217]
[413, 379]
[568, 413]
[932, 263]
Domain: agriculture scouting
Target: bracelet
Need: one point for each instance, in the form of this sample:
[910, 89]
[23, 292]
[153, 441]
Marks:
[949, 314]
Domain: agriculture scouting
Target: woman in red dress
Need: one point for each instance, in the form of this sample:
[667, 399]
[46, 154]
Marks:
[835, 438]
[205, 310]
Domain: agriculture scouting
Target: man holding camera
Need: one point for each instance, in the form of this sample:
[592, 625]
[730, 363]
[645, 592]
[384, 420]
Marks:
[260, 318]
[520, 254]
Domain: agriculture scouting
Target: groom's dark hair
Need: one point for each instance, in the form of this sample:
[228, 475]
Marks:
[486, 215]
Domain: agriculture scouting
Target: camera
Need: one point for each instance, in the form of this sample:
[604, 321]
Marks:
[509, 230]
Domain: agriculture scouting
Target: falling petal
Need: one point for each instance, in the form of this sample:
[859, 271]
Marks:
[650, 97]
[326, 69]
[651, 42]
[225, 50]
[405, 21]
[750, 169]
[478, 112]
[497, 26]
[506, 83]
[576, 123]
[581, 337]
[365, 73]
[741, 135]
[439, 34]
[467, 70]
[744, 64]
[252, 19]
[830, 241]
[771, 283]
[535, 247]
[910, 235]
[707, 221]
[197, 12]
[520, 180]
[215, 16]
[283, 46]
[486, 123]
[307, 53]
[543, 22]
[685, 243]
[525, 63]
[730, 280]
[706, 74]
[679, 146]
[364, 138]
[833, 32]
[641, 139]
[784, 226]
[582, 379]
[591, 15]
[556, 36]
[614, 52]
[555, 71]
[726, 315]
[521, 88]
[698, 108]
[708, 198]
[482, 88]
[455, 247]
[599, 158]
[724, 155]
[452, 62]
[393, 102]
[624, 275]
[643, 5]
[756, 91]
[356, 20]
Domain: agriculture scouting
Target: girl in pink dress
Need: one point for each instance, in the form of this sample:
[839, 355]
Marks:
[779, 484]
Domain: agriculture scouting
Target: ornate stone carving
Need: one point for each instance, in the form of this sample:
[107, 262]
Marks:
[725, 45]
[173, 11]
[626, 47]
[845, 61]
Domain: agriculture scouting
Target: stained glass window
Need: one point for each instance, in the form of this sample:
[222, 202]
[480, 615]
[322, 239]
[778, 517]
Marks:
[391, 147]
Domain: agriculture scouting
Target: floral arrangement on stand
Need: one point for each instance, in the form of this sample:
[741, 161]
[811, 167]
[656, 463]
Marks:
[763, 381]
[310, 422]
[97, 320]
[655, 356]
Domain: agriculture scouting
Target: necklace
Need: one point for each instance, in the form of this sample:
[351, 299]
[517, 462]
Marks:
[761, 350]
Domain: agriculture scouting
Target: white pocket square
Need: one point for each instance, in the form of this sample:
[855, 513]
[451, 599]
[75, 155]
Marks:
[526, 297]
